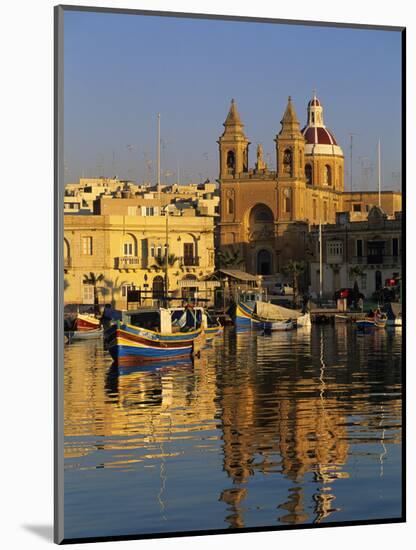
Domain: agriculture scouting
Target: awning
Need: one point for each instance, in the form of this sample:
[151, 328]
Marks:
[200, 285]
[240, 275]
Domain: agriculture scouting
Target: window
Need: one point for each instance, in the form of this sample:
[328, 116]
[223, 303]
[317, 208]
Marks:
[356, 207]
[325, 211]
[314, 210]
[287, 162]
[308, 174]
[230, 206]
[87, 294]
[131, 211]
[359, 248]
[152, 251]
[87, 246]
[335, 248]
[395, 246]
[363, 281]
[159, 252]
[128, 249]
[188, 253]
[150, 211]
[327, 175]
[287, 195]
[230, 162]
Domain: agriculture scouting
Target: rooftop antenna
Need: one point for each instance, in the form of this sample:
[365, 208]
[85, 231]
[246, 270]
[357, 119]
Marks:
[351, 156]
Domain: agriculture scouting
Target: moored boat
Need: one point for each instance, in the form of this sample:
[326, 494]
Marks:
[84, 334]
[86, 322]
[376, 319]
[268, 317]
[153, 335]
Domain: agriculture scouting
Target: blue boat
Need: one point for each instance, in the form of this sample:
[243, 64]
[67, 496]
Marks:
[153, 335]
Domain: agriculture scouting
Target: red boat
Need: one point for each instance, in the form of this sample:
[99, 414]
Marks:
[85, 322]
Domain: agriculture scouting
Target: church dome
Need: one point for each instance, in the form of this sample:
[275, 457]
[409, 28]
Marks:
[319, 140]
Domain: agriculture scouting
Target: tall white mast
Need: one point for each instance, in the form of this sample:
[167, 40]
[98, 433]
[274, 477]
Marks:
[158, 153]
[379, 175]
[320, 262]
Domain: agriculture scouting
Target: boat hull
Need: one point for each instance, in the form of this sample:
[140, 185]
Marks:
[84, 334]
[128, 344]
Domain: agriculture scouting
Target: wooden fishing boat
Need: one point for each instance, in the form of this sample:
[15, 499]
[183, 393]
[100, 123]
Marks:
[268, 317]
[73, 335]
[86, 322]
[153, 335]
[376, 320]
[276, 326]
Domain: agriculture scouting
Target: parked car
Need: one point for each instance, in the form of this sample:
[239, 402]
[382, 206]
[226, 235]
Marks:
[283, 289]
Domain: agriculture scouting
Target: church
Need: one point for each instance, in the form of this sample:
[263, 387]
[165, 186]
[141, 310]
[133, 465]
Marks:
[265, 214]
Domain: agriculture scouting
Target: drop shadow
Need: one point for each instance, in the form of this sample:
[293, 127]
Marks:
[43, 531]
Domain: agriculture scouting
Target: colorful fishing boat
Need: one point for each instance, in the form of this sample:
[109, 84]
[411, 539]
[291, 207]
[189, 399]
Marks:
[86, 322]
[268, 317]
[375, 320]
[153, 335]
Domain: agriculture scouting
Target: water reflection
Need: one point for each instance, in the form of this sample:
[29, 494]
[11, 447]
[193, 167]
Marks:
[262, 429]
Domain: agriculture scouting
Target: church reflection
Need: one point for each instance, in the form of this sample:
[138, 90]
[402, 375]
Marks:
[276, 407]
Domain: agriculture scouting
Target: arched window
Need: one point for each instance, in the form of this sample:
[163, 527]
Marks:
[129, 245]
[230, 206]
[308, 174]
[231, 161]
[327, 175]
[288, 162]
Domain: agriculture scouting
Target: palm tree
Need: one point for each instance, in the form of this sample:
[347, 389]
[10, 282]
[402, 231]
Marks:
[356, 271]
[111, 287]
[231, 257]
[160, 261]
[93, 279]
[295, 269]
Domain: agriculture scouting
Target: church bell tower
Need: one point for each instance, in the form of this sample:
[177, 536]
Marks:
[233, 146]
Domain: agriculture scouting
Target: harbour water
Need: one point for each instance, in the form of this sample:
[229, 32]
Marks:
[294, 428]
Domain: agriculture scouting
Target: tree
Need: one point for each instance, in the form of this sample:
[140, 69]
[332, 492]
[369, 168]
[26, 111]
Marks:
[295, 269]
[355, 272]
[93, 279]
[160, 261]
[231, 257]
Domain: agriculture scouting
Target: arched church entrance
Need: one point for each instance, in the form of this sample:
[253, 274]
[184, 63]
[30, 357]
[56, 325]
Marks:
[264, 262]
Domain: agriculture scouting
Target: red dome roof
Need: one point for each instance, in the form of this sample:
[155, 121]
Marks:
[318, 135]
[314, 102]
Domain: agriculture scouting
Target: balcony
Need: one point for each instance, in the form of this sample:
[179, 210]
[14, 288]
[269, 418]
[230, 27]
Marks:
[377, 259]
[127, 263]
[189, 261]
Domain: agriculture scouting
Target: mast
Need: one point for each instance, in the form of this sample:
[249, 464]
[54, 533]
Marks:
[158, 153]
[167, 255]
[379, 175]
[320, 263]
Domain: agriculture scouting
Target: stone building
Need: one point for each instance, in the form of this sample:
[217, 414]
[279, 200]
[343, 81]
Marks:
[374, 246]
[265, 214]
[127, 251]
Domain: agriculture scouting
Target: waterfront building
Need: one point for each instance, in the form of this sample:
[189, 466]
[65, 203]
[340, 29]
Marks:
[266, 214]
[129, 251]
[369, 251]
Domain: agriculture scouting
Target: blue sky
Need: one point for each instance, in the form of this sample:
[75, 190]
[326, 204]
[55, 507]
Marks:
[121, 70]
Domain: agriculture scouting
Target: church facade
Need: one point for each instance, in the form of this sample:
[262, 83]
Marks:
[265, 215]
